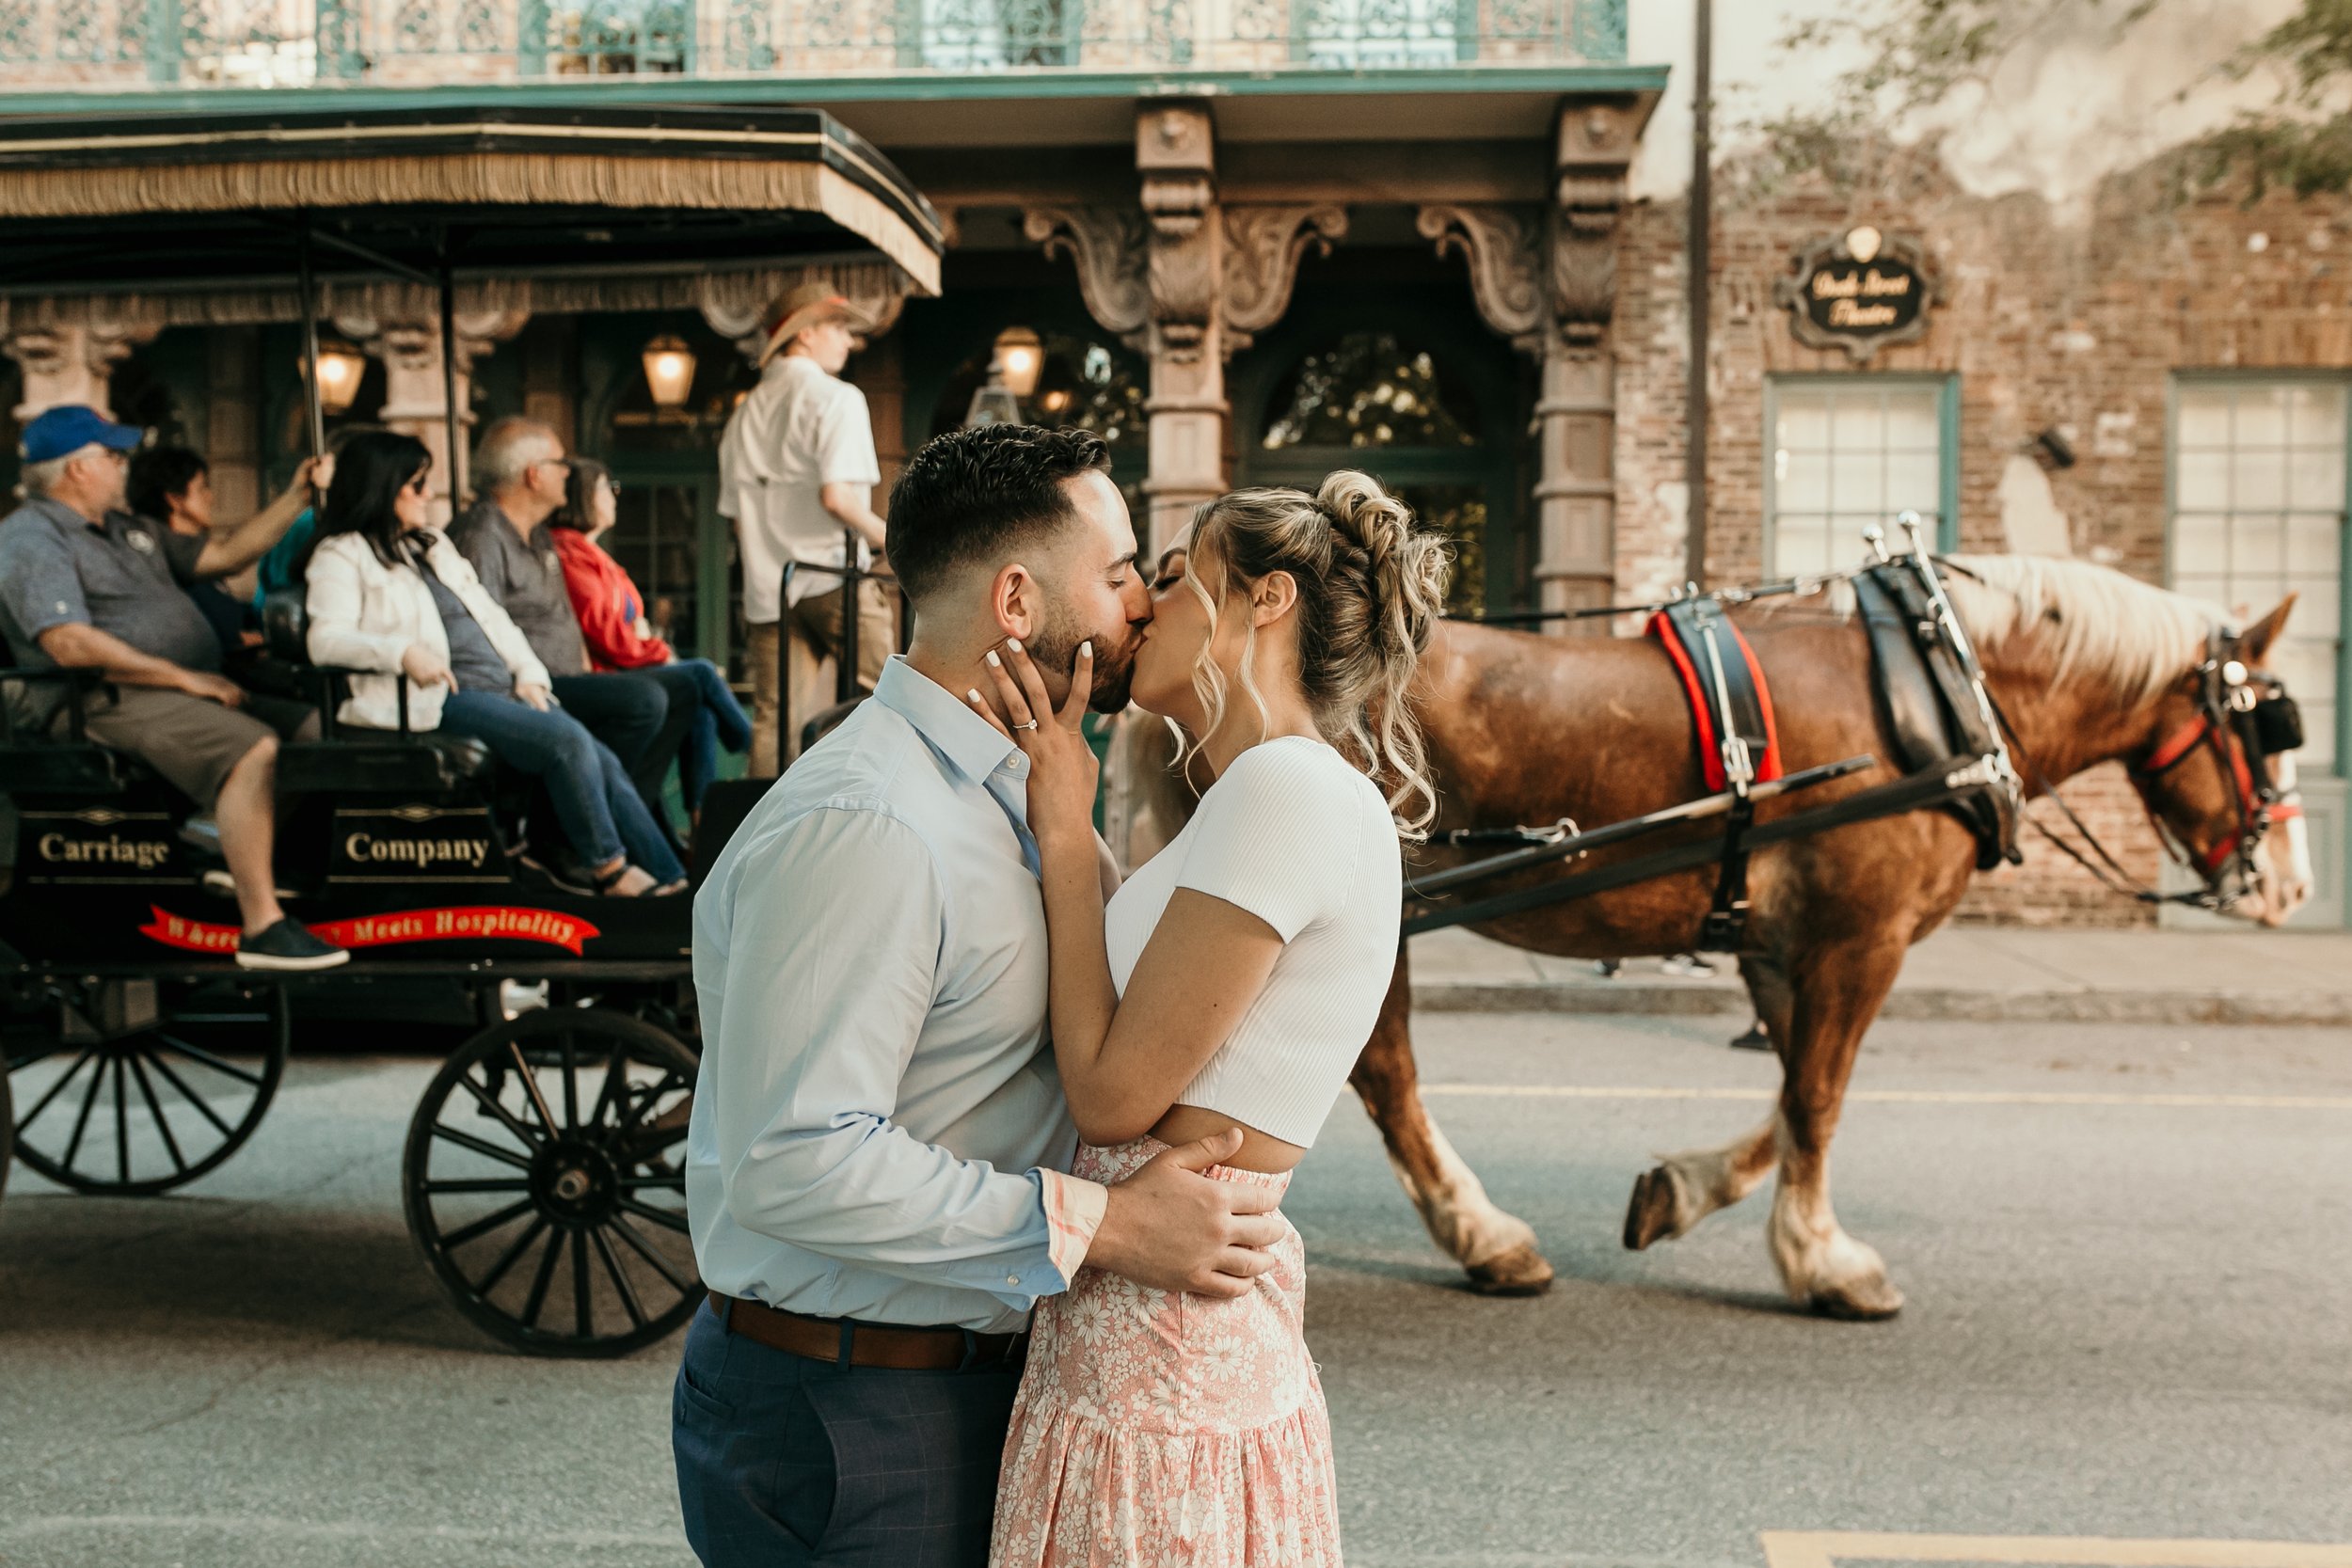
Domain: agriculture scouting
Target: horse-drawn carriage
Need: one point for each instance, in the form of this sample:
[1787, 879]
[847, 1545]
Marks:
[542, 1175]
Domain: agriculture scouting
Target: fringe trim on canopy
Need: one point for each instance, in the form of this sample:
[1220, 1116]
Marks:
[476, 179]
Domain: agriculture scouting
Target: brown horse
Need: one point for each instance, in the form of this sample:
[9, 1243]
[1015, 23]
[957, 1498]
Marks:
[2090, 666]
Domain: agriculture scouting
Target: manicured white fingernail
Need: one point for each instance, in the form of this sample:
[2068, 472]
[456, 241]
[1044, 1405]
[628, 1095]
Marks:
[1013, 643]
[995, 664]
[1085, 649]
[975, 695]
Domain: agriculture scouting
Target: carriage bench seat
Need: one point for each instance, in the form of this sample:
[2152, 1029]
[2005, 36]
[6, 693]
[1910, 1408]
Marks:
[38, 762]
[352, 761]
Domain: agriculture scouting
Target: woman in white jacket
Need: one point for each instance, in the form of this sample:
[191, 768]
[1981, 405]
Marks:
[388, 594]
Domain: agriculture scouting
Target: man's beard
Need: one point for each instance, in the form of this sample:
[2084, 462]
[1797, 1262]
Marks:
[1055, 647]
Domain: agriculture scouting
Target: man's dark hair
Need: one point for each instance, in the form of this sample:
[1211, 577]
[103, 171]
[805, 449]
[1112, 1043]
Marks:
[159, 473]
[970, 496]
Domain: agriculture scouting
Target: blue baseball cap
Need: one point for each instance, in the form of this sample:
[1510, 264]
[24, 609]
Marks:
[68, 428]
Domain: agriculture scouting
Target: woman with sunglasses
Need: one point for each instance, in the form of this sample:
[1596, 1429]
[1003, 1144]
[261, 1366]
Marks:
[612, 623]
[388, 594]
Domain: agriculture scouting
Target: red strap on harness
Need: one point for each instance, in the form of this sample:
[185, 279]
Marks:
[1767, 767]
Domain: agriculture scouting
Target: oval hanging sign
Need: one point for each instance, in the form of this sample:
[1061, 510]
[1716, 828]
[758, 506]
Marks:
[1858, 291]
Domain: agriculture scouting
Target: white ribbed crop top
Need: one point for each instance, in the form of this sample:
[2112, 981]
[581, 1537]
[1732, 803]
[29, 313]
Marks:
[1303, 840]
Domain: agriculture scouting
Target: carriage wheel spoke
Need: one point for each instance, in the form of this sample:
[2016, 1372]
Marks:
[478, 1184]
[672, 1182]
[486, 1149]
[155, 1109]
[507, 1259]
[489, 1102]
[530, 1087]
[191, 1096]
[483, 1225]
[54, 1089]
[215, 1063]
[615, 1090]
[663, 1217]
[571, 1083]
[620, 1280]
[39, 1054]
[80, 1123]
[583, 1303]
[637, 1243]
[123, 1123]
[636, 1114]
[539, 1282]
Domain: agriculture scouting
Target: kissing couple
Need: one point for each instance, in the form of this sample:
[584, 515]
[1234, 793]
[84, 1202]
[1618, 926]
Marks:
[987, 1147]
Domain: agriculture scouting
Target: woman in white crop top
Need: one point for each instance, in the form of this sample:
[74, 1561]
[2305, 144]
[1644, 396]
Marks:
[1231, 983]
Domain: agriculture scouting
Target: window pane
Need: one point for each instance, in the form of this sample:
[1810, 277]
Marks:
[1913, 480]
[2259, 548]
[2262, 418]
[2316, 415]
[2201, 481]
[1804, 484]
[2211, 588]
[2203, 412]
[1799, 545]
[2258, 482]
[1912, 422]
[1803, 419]
[1857, 420]
[2315, 477]
[1857, 481]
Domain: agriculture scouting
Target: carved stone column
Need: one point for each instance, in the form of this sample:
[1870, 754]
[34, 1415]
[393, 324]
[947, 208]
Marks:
[1546, 278]
[415, 402]
[72, 364]
[1175, 154]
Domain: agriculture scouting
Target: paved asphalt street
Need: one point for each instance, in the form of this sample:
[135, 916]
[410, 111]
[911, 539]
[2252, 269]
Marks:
[2128, 1319]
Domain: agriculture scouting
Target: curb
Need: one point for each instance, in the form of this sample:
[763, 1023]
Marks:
[2306, 1009]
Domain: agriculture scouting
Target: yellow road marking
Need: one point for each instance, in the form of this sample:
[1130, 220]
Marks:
[1902, 1097]
[1822, 1548]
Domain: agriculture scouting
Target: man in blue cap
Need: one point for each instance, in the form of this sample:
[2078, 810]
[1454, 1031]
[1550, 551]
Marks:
[85, 585]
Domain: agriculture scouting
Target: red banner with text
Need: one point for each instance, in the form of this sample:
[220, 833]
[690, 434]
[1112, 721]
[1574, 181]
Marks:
[470, 923]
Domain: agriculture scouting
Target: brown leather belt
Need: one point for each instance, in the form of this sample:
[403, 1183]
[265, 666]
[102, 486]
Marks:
[841, 1340]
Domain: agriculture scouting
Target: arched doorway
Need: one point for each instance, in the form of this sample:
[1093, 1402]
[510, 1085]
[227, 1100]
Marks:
[1422, 403]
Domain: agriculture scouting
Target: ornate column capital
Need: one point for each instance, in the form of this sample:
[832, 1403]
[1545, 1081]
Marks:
[1110, 246]
[1264, 246]
[1501, 245]
[738, 319]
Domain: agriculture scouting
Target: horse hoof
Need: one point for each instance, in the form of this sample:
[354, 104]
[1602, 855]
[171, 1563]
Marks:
[1864, 1301]
[1650, 1217]
[1520, 1272]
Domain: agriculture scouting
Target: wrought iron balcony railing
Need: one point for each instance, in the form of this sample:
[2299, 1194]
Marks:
[128, 43]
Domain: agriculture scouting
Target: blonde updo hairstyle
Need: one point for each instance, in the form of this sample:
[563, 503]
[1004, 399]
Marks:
[1370, 590]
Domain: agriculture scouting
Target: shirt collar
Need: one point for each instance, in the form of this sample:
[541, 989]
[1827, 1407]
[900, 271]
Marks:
[968, 741]
[62, 514]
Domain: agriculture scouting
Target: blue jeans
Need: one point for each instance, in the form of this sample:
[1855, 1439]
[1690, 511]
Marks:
[782, 1460]
[599, 809]
[719, 720]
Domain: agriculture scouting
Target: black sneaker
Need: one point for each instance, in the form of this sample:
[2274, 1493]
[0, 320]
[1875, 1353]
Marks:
[288, 945]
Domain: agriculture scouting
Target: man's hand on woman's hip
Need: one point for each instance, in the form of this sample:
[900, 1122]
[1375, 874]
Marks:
[1172, 1229]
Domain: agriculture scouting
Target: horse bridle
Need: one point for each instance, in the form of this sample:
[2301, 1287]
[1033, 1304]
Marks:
[2245, 718]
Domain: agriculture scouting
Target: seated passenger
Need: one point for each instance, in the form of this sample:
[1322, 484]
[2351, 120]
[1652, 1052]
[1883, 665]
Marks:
[642, 714]
[612, 623]
[85, 585]
[388, 592]
[281, 567]
[173, 485]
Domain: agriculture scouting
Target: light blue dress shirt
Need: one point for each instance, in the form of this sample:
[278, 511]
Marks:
[877, 1092]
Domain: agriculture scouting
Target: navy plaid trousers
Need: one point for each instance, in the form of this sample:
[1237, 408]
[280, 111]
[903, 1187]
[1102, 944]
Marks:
[782, 1460]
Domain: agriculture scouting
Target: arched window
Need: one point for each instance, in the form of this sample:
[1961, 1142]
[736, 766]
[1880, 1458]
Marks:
[1388, 404]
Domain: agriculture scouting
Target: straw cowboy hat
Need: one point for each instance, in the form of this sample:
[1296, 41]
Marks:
[803, 307]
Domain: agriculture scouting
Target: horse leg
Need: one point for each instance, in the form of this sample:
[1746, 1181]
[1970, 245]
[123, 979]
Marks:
[1837, 994]
[1496, 1248]
[1683, 1189]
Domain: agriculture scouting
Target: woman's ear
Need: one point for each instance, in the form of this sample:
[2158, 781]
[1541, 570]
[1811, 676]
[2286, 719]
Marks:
[1271, 598]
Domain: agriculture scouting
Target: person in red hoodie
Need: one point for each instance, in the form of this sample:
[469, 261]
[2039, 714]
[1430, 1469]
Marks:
[613, 624]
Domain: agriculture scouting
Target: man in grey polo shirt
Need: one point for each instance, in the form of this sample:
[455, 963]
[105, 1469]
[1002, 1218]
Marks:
[85, 585]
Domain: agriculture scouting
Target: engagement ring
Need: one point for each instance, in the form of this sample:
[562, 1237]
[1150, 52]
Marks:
[1030, 726]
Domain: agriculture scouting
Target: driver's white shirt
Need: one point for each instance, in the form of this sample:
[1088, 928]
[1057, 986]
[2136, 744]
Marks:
[799, 429]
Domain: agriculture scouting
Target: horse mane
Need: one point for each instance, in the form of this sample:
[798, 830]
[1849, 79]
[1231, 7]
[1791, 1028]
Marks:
[2092, 621]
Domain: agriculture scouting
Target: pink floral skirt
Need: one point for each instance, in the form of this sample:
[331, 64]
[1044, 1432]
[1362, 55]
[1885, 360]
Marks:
[1159, 1430]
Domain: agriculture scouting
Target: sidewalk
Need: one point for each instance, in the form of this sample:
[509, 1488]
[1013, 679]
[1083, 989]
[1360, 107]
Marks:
[1972, 974]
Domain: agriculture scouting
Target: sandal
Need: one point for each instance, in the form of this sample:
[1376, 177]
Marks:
[611, 880]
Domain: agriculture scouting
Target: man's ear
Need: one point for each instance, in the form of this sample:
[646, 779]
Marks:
[1015, 602]
[1273, 597]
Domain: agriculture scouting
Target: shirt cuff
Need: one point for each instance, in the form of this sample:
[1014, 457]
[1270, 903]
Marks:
[1073, 1212]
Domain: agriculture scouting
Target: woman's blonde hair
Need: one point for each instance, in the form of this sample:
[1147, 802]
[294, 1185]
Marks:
[1370, 590]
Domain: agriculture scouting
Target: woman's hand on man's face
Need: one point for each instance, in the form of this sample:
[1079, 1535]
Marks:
[1062, 767]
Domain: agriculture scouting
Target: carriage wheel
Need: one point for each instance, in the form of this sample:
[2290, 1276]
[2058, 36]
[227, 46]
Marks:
[545, 1179]
[144, 1086]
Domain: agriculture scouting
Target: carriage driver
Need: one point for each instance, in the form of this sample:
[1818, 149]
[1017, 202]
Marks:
[85, 585]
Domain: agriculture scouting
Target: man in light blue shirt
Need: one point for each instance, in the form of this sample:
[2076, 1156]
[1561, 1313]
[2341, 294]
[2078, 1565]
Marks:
[876, 1167]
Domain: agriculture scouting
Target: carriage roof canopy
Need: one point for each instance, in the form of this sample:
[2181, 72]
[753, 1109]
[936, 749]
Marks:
[210, 201]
